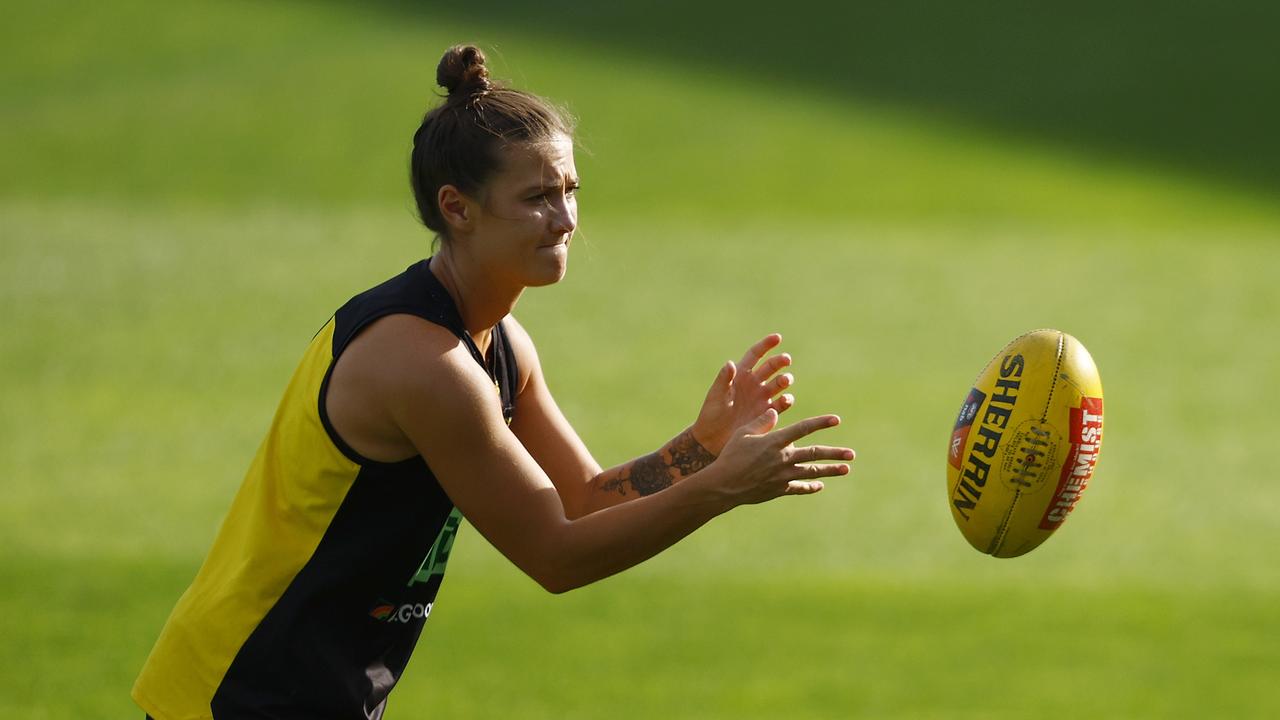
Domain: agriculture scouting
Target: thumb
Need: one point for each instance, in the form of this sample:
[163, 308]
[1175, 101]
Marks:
[762, 423]
[723, 383]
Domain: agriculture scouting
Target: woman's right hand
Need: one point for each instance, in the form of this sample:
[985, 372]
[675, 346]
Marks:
[761, 462]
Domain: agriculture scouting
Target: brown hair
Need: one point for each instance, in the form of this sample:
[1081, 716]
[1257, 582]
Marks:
[460, 141]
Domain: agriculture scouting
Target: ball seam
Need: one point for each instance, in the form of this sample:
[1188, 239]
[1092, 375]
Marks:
[997, 542]
[1053, 383]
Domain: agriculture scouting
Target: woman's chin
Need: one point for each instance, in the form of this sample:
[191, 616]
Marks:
[552, 264]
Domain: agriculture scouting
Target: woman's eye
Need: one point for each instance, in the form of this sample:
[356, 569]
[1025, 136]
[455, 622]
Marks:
[551, 195]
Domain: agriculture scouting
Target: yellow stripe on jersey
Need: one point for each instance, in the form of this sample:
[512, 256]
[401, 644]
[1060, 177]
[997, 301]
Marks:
[290, 495]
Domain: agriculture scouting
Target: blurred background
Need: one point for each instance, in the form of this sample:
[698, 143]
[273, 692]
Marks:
[190, 190]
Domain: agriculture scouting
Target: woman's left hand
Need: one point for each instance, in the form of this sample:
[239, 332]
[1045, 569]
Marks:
[742, 392]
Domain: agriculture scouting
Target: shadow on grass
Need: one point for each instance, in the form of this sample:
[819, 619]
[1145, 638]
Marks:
[1189, 87]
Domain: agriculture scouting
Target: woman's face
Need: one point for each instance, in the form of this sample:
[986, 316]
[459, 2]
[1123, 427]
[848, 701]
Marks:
[528, 213]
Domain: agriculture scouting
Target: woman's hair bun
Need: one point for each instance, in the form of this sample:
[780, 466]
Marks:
[462, 141]
[462, 72]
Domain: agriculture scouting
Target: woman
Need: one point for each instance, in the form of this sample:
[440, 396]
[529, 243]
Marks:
[422, 401]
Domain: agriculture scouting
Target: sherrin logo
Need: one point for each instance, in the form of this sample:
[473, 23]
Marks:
[386, 612]
[992, 422]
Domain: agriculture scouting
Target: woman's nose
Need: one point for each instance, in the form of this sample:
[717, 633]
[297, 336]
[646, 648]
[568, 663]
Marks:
[564, 217]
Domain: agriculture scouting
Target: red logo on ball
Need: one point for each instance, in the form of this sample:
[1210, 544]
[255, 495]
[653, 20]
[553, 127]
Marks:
[1086, 437]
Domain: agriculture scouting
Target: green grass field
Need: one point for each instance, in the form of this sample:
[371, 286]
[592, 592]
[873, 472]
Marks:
[190, 192]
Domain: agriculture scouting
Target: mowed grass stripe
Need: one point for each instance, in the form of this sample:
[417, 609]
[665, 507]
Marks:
[764, 647]
[154, 347]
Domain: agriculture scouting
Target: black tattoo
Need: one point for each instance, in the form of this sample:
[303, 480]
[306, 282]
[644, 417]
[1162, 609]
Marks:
[649, 474]
[677, 460]
[617, 483]
[687, 454]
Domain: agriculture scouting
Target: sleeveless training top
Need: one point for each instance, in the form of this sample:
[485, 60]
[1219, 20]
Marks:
[327, 564]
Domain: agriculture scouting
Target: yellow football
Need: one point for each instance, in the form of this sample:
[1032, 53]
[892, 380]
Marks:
[1025, 444]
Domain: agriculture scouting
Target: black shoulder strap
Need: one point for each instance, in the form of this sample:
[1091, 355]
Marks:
[506, 372]
[417, 291]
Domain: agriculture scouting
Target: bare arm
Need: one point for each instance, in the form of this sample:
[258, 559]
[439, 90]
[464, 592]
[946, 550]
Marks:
[445, 405]
[646, 475]
[738, 394]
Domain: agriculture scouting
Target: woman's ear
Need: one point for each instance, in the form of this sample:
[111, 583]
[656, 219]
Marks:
[457, 209]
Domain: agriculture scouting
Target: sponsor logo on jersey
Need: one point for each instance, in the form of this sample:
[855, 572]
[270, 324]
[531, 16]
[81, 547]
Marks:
[390, 613]
[438, 558]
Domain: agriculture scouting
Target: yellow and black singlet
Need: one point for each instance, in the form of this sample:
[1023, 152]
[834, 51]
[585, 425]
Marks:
[327, 564]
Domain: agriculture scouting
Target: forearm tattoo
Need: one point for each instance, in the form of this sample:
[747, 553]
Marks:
[678, 459]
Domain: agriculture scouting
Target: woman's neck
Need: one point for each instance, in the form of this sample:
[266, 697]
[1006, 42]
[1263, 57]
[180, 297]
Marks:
[480, 300]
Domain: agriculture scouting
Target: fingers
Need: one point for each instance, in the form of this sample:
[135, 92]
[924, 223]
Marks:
[757, 351]
[809, 472]
[783, 403]
[817, 453]
[763, 423]
[780, 383]
[803, 479]
[721, 386]
[771, 365]
[801, 457]
[794, 432]
[724, 380]
[800, 487]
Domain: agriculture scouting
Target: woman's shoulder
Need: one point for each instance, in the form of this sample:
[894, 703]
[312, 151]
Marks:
[401, 350]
